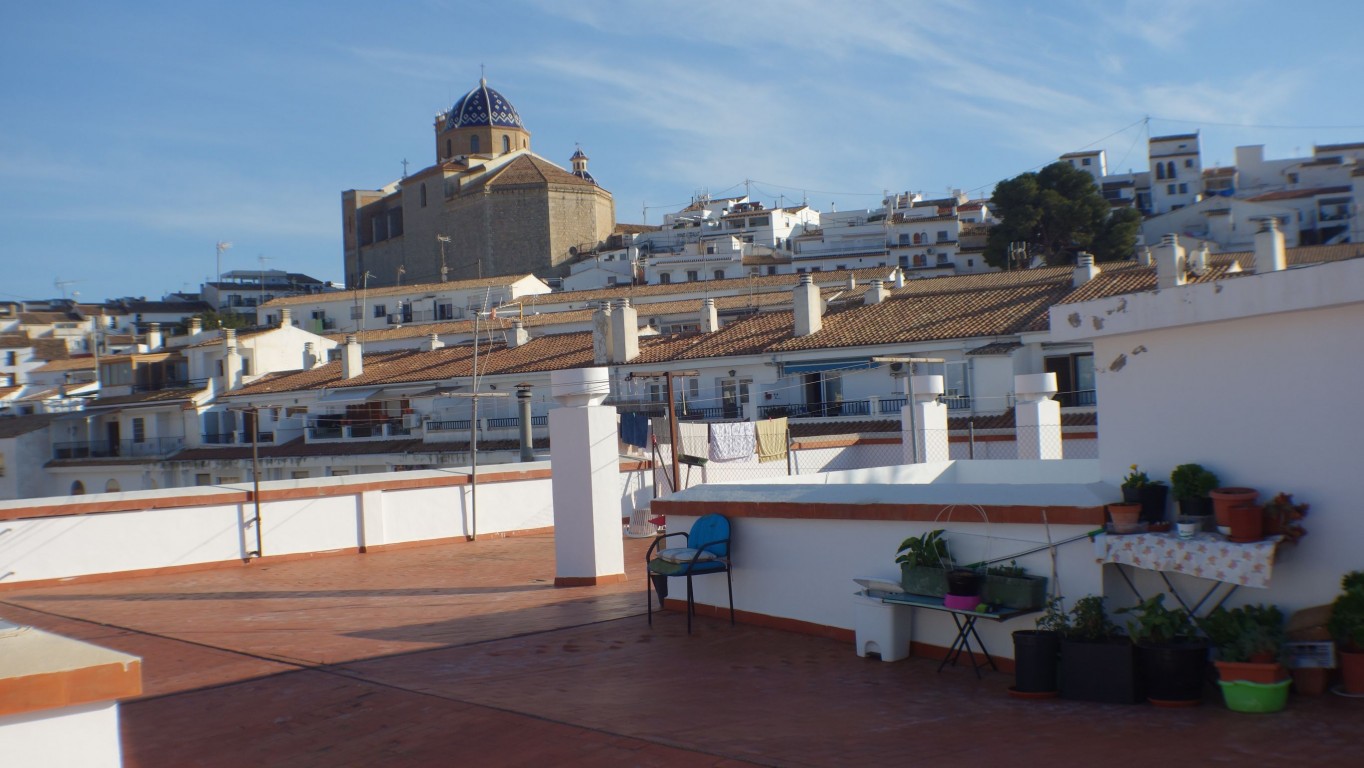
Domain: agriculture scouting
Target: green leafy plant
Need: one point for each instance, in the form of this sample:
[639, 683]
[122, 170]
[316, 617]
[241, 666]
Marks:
[1054, 617]
[1089, 621]
[1189, 481]
[1013, 570]
[928, 549]
[1155, 623]
[1347, 613]
[1137, 479]
[1248, 633]
[1283, 515]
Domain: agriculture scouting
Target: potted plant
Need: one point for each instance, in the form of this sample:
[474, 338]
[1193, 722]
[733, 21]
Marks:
[1190, 484]
[1097, 660]
[923, 560]
[1347, 627]
[1010, 586]
[1284, 518]
[1150, 494]
[1248, 643]
[1037, 653]
[1170, 654]
[1225, 499]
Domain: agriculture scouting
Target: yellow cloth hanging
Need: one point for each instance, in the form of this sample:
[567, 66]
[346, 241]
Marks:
[772, 439]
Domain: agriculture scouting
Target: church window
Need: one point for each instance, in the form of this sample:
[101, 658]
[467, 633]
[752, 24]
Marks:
[423, 195]
[1170, 170]
[448, 152]
[506, 143]
[1160, 171]
[473, 145]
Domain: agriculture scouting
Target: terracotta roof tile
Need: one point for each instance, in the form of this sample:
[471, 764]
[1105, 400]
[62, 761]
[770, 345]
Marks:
[15, 341]
[742, 284]
[146, 398]
[74, 363]
[529, 169]
[1296, 194]
[14, 426]
[50, 349]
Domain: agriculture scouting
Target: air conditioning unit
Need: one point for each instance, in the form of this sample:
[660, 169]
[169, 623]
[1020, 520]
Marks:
[412, 420]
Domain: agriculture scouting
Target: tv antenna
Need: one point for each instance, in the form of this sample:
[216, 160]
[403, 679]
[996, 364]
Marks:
[61, 284]
[223, 245]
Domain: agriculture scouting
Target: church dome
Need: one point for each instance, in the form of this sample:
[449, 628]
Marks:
[483, 107]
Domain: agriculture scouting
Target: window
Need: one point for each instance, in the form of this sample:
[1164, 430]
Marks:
[473, 145]
[665, 278]
[11, 358]
[1188, 162]
[445, 312]
[719, 274]
[771, 270]
[1084, 161]
[448, 152]
[112, 486]
[77, 488]
[1170, 170]
[506, 143]
[942, 235]
[1292, 178]
[1074, 378]
[1183, 187]
[423, 195]
[139, 430]
[380, 310]
[1160, 171]
[203, 478]
[710, 249]
[1169, 189]
[693, 275]
[918, 238]
[957, 383]
[904, 238]
[355, 312]
[970, 262]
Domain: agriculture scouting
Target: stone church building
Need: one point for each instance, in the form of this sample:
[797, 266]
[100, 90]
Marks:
[489, 206]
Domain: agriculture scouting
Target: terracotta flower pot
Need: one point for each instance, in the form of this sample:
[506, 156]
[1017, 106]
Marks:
[1272, 672]
[1352, 672]
[1223, 499]
[1124, 516]
[1246, 523]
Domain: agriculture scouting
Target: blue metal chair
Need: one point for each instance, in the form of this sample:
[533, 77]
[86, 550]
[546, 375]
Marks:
[706, 551]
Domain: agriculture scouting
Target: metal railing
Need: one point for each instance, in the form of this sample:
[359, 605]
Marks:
[105, 449]
[353, 429]
[816, 410]
[170, 384]
[447, 425]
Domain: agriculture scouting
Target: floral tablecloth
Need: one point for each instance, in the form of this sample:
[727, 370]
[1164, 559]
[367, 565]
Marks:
[1207, 556]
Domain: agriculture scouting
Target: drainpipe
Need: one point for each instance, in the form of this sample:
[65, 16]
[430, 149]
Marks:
[523, 405]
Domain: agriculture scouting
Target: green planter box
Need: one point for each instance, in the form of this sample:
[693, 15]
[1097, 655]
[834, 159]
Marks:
[1018, 592]
[923, 580]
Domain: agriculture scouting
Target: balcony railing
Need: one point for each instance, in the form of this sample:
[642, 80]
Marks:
[104, 449]
[354, 429]
[816, 410]
[447, 425]
[170, 384]
[893, 404]
[1078, 399]
[956, 402]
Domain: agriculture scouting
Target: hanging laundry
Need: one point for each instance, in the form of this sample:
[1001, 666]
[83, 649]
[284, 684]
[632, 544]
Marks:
[634, 429]
[662, 432]
[695, 439]
[772, 439]
[732, 441]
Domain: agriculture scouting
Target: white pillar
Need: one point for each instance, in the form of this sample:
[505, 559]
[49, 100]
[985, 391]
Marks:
[588, 535]
[923, 421]
[1037, 417]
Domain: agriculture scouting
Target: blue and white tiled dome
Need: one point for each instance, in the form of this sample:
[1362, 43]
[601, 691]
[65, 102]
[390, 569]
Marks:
[483, 106]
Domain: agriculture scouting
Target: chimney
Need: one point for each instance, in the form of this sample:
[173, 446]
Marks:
[232, 363]
[1085, 270]
[309, 356]
[899, 278]
[1144, 257]
[518, 335]
[352, 359]
[1169, 262]
[710, 321]
[806, 305]
[154, 335]
[876, 294]
[286, 317]
[1269, 253]
[196, 326]
[601, 334]
[852, 282]
[1198, 261]
[433, 342]
[624, 333]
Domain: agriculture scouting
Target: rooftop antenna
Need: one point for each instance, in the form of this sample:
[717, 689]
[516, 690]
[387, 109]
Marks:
[223, 245]
[260, 292]
[444, 271]
[61, 284]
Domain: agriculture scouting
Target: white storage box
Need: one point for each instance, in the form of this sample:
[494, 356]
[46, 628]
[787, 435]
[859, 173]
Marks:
[882, 628]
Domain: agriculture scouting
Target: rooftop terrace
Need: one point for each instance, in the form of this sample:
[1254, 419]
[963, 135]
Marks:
[465, 654]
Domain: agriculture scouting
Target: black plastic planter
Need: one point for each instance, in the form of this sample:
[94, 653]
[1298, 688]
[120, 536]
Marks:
[1105, 672]
[1037, 655]
[1174, 672]
[963, 582]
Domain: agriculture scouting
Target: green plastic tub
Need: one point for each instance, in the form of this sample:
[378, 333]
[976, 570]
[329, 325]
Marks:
[1245, 696]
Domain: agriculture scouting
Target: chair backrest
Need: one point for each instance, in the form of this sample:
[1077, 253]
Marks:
[707, 529]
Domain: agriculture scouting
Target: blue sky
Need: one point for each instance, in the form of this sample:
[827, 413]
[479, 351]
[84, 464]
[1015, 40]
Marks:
[134, 136]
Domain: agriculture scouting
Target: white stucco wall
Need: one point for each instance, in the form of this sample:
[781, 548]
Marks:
[85, 736]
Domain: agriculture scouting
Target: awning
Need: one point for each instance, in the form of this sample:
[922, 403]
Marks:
[817, 366]
[348, 395]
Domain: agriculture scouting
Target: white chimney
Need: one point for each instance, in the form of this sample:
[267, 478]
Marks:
[1269, 252]
[433, 342]
[806, 306]
[154, 336]
[852, 282]
[899, 277]
[1169, 262]
[1085, 269]
[624, 333]
[601, 334]
[876, 294]
[518, 335]
[352, 358]
[196, 326]
[232, 363]
[1144, 256]
[710, 321]
[1198, 260]
[286, 317]
[309, 356]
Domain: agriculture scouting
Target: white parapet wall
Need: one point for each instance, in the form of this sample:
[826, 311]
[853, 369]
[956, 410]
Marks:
[799, 542]
[77, 536]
